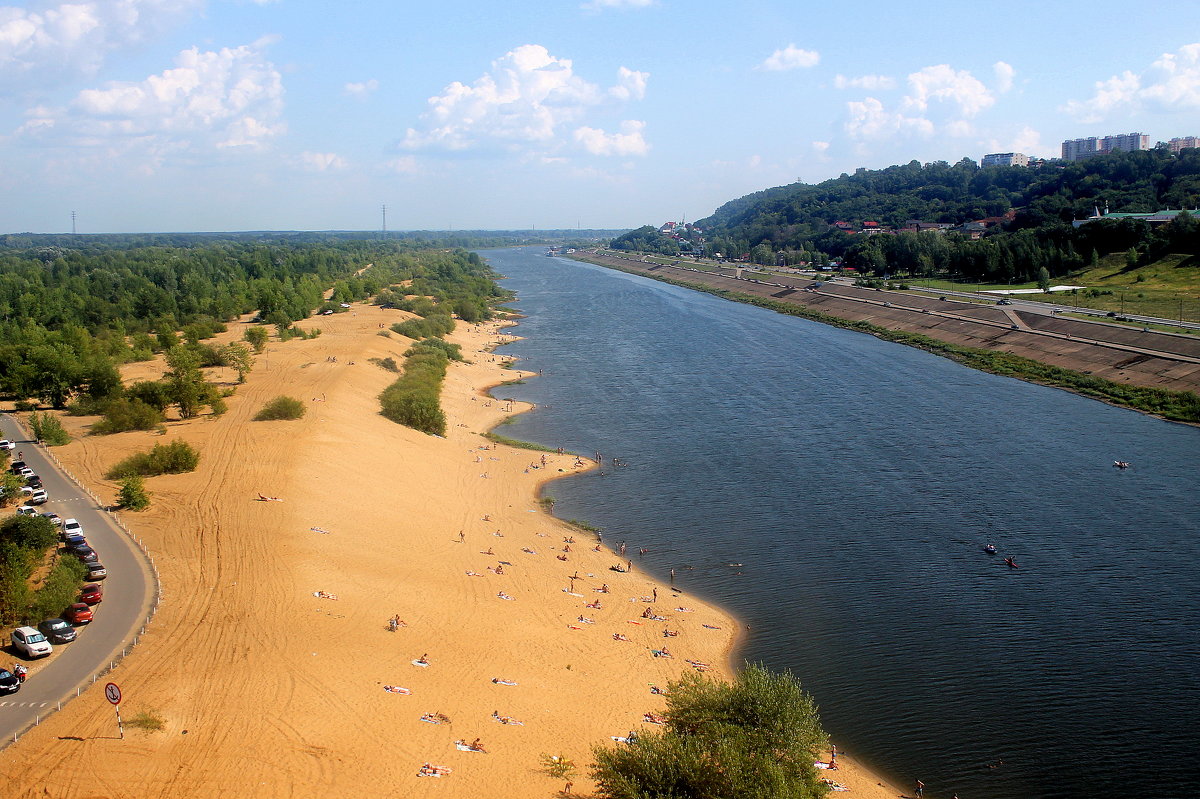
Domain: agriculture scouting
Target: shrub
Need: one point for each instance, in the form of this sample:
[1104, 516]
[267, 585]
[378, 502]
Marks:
[25, 405]
[49, 430]
[257, 337]
[451, 351]
[386, 363]
[426, 327]
[758, 736]
[414, 399]
[133, 494]
[148, 720]
[281, 408]
[174, 458]
[127, 414]
[155, 394]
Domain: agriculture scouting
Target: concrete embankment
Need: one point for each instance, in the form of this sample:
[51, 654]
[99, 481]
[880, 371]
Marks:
[1113, 352]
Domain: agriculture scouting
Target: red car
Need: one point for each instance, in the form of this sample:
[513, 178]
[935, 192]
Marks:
[79, 613]
[92, 594]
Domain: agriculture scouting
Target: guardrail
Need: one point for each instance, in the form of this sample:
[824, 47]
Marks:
[149, 560]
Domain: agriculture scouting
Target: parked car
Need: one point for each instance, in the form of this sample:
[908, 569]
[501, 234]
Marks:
[27, 510]
[72, 526]
[6, 444]
[16, 466]
[39, 497]
[86, 554]
[30, 642]
[75, 541]
[57, 631]
[26, 472]
[92, 594]
[96, 571]
[53, 518]
[33, 482]
[9, 684]
[79, 613]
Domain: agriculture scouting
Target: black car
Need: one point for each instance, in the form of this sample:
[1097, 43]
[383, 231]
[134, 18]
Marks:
[16, 466]
[86, 554]
[9, 684]
[76, 542]
[57, 631]
[33, 482]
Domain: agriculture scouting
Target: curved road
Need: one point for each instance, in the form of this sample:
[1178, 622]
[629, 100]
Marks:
[128, 593]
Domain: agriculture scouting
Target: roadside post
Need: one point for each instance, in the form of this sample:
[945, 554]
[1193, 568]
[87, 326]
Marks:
[113, 694]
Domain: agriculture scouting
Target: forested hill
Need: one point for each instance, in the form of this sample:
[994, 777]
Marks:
[799, 216]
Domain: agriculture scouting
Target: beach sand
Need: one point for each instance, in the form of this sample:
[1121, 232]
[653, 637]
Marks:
[270, 689]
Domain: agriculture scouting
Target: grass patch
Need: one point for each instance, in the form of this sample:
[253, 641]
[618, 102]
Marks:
[584, 526]
[281, 408]
[1179, 406]
[388, 364]
[547, 502]
[148, 720]
[516, 382]
[512, 442]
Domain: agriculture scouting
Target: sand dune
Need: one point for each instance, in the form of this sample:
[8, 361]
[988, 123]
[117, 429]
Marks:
[269, 690]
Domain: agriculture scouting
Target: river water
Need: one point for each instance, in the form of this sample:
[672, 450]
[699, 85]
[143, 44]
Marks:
[856, 481]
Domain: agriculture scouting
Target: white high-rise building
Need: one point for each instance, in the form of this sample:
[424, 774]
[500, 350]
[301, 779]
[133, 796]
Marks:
[1004, 159]
[1079, 149]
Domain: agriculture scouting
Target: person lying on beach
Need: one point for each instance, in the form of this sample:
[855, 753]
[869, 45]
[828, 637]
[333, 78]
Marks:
[654, 689]
[396, 689]
[503, 595]
[505, 719]
[654, 718]
[670, 633]
[586, 620]
[436, 718]
[710, 627]
[603, 589]
[593, 605]
[499, 681]
[617, 568]
[474, 746]
[261, 498]
[596, 548]
[528, 551]
[698, 666]
[619, 637]
[324, 595]
[428, 770]
[561, 557]
[422, 661]
[662, 653]
[473, 573]
[684, 610]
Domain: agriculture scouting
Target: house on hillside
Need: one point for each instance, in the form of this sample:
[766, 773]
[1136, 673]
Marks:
[1155, 218]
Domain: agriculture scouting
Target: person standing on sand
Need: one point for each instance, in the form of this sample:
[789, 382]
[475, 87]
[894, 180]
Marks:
[920, 788]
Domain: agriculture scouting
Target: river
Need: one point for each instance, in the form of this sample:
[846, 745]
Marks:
[855, 481]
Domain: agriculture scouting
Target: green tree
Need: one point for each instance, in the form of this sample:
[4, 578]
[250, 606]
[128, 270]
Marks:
[10, 488]
[1043, 279]
[237, 355]
[185, 381]
[133, 494]
[257, 336]
[48, 429]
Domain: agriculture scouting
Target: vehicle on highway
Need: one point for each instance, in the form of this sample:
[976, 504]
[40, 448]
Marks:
[6, 444]
[92, 594]
[57, 631]
[96, 571]
[30, 642]
[72, 526]
[78, 614]
[1004, 302]
[9, 682]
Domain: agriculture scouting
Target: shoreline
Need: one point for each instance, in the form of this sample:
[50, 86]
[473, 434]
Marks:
[855, 774]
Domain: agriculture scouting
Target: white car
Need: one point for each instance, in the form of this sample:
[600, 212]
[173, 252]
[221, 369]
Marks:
[6, 444]
[38, 497]
[71, 526]
[27, 510]
[31, 642]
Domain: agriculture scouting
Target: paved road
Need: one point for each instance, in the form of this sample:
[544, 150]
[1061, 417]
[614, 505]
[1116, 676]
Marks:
[128, 592]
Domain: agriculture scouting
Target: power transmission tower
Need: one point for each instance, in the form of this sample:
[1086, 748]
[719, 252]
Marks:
[384, 208]
[72, 223]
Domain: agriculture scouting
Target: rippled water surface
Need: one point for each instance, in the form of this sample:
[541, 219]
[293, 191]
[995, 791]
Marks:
[856, 481]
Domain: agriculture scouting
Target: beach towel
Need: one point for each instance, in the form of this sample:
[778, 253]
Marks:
[419, 663]
[499, 681]
[396, 689]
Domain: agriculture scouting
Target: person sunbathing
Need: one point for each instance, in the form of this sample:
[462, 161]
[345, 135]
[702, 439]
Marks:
[670, 633]
[654, 718]
[477, 746]
[619, 637]
[499, 681]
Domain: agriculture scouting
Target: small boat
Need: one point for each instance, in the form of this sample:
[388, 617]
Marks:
[1012, 564]
[989, 548]
[1121, 464]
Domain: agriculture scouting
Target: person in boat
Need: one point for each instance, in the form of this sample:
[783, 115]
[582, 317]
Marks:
[989, 548]
[1012, 564]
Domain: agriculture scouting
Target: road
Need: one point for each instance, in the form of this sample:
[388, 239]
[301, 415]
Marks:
[128, 594]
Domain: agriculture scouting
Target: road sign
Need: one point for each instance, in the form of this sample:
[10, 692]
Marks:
[112, 693]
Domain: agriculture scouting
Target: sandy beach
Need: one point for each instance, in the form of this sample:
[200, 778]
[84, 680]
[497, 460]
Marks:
[270, 653]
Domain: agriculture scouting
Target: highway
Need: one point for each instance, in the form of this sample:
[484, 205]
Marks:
[128, 596]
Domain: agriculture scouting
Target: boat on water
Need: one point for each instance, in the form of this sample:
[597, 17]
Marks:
[989, 548]
[1012, 564]
[1121, 464]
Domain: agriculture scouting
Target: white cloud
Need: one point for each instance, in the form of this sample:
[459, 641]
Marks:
[1004, 76]
[790, 57]
[322, 162]
[404, 165]
[868, 119]
[628, 142]
[946, 85]
[46, 41]
[1171, 83]
[231, 98]
[361, 90]
[527, 99]
[820, 146]
[630, 84]
[867, 82]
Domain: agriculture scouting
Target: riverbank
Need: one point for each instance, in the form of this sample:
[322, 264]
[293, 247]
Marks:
[272, 647]
[1148, 371]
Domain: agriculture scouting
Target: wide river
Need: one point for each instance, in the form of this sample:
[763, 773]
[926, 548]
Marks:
[855, 482]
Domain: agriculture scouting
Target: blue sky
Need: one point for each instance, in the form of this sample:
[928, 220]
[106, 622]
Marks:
[181, 115]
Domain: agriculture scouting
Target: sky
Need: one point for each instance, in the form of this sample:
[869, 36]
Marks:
[224, 115]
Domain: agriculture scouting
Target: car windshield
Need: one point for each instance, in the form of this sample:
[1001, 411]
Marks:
[56, 624]
[5, 674]
[36, 638]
